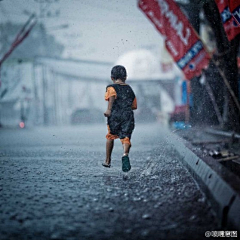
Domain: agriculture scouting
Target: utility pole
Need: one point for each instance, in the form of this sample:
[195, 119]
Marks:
[45, 92]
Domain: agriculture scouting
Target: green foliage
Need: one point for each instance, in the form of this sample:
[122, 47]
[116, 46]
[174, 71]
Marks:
[38, 43]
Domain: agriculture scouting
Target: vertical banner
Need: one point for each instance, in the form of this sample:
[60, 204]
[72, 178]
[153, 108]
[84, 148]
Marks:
[234, 7]
[181, 40]
[230, 25]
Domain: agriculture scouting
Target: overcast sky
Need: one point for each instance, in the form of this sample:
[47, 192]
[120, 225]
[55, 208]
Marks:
[98, 29]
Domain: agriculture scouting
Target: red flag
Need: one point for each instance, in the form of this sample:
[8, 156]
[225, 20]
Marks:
[234, 7]
[181, 40]
[230, 26]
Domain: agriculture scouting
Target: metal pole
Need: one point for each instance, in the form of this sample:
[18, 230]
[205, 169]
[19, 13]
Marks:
[187, 114]
[54, 96]
[36, 98]
[210, 93]
[45, 117]
[228, 85]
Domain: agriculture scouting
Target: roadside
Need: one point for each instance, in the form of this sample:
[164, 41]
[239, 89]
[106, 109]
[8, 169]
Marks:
[222, 146]
[213, 160]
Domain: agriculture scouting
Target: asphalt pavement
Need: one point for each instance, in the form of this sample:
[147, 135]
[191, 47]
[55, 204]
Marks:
[53, 186]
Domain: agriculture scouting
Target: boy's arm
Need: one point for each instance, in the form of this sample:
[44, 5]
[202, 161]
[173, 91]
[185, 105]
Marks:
[109, 109]
[134, 104]
[110, 96]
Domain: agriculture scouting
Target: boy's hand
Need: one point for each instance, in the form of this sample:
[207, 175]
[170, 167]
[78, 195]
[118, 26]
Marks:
[107, 113]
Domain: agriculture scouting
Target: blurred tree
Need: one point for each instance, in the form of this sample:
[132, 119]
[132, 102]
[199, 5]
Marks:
[38, 43]
[226, 58]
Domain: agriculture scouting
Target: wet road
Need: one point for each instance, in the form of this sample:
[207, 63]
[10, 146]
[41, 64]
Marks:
[53, 186]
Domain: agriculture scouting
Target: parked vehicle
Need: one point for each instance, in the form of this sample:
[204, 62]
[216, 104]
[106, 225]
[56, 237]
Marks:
[87, 116]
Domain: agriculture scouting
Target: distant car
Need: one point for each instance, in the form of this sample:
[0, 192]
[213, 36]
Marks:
[87, 116]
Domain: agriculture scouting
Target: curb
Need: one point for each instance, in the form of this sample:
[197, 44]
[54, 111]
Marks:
[221, 187]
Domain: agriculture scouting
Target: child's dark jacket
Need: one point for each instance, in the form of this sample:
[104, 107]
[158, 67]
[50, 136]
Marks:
[121, 120]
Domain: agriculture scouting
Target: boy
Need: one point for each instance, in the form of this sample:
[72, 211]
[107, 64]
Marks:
[120, 118]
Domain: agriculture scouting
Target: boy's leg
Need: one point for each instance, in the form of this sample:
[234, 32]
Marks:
[109, 148]
[126, 149]
[127, 127]
[126, 166]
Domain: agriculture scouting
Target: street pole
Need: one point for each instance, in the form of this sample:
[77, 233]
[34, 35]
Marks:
[44, 88]
[36, 96]
[54, 96]
[187, 110]
[211, 95]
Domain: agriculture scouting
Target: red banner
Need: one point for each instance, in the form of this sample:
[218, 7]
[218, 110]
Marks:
[181, 40]
[234, 7]
[230, 25]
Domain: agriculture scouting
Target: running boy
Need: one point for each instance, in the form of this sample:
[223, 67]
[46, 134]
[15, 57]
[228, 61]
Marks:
[120, 118]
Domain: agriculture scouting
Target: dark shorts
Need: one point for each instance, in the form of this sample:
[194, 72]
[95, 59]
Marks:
[121, 124]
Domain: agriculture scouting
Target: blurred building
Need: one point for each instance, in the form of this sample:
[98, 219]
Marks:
[47, 91]
[53, 91]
